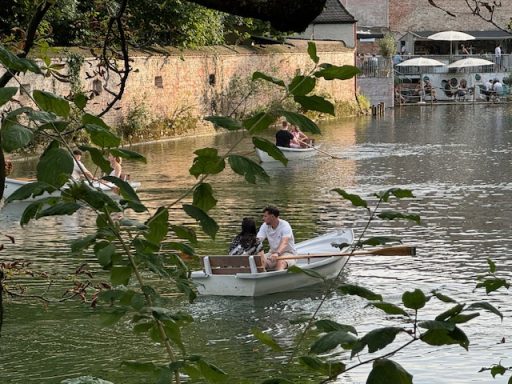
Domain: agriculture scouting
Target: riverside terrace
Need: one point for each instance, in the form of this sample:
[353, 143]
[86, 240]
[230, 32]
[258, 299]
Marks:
[449, 84]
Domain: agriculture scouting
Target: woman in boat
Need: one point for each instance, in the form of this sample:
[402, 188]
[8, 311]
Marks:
[300, 140]
[246, 242]
[115, 164]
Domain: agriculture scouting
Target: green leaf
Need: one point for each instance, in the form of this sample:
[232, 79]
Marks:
[211, 372]
[329, 326]
[463, 318]
[34, 208]
[443, 298]
[415, 299]
[209, 226]
[158, 226]
[104, 254]
[97, 158]
[349, 289]
[301, 121]
[55, 167]
[127, 154]
[82, 243]
[498, 370]
[185, 233]
[94, 120]
[102, 136]
[269, 148]
[439, 337]
[356, 200]
[486, 306]
[6, 94]
[17, 64]
[247, 168]
[143, 367]
[173, 332]
[80, 101]
[28, 190]
[15, 136]
[392, 215]
[399, 193]
[259, 75]
[315, 103]
[111, 318]
[451, 312]
[331, 72]
[259, 122]
[492, 265]
[302, 85]
[142, 327]
[386, 371]
[225, 122]
[120, 275]
[266, 339]
[376, 339]
[203, 197]
[330, 369]
[308, 272]
[390, 309]
[312, 52]
[207, 162]
[51, 103]
[437, 325]
[125, 190]
[492, 285]
[59, 209]
[331, 340]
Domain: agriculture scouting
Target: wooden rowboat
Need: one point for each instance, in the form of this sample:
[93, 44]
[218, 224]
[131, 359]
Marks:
[289, 153]
[11, 185]
[219, 281]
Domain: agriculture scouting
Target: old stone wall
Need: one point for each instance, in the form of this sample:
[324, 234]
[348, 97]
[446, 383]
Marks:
[368, 13]
[419, 15]
[201, 82]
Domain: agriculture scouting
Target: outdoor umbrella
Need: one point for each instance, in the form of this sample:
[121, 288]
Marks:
[421, 62]
[470, 62]
[451, 36]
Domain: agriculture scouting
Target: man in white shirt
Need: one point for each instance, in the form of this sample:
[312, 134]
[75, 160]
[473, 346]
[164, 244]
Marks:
[79, 170]
[497, 55]
[280, 238]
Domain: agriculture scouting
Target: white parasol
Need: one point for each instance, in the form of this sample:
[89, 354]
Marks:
[470, 62]
[421, 62]
[451, 36]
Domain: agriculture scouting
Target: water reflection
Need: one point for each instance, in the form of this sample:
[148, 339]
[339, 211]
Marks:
[456, 159]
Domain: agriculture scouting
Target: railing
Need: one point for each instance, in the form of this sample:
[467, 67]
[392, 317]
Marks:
[378, 66]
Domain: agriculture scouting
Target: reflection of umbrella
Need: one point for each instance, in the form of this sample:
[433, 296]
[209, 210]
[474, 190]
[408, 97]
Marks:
[421, 62]
[470, 62]
[451, 36]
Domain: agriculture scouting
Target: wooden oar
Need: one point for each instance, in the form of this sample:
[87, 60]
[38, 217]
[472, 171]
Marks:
[319, 150]
[403, 250]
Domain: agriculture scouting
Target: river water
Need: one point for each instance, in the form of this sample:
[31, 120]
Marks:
[457, 161]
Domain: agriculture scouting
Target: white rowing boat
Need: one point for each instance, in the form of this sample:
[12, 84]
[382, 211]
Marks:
[254, 283]
[289, 153]
[11, 185]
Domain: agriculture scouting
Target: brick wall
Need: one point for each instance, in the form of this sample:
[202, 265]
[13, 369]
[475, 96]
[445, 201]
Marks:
[419, 15]
[190, 80]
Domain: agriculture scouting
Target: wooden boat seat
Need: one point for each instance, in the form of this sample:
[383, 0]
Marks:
[231, 265]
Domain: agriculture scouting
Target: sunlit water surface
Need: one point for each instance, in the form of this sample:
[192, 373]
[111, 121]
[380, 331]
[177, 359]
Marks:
[456, 159]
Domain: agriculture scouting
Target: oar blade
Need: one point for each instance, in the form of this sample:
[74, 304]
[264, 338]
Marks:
[403, 250]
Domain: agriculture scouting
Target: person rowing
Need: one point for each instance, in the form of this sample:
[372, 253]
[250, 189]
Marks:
[280, 238]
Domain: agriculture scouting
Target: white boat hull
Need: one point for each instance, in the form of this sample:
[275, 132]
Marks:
[11, 185]
[265, 283]
[289, 153]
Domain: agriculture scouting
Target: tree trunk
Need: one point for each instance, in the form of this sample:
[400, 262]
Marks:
[284, 15]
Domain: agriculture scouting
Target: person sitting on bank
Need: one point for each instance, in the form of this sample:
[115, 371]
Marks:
[488, 90]
[246, 242]
[429, 90]
[79, 170]
[280, 238]
[284, 136]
